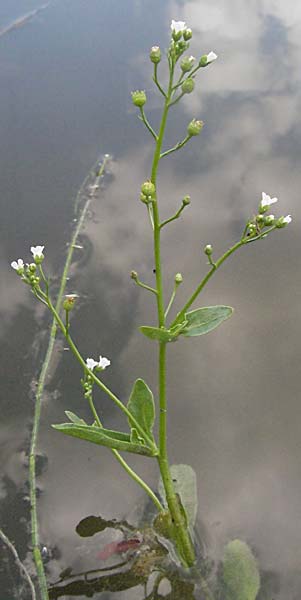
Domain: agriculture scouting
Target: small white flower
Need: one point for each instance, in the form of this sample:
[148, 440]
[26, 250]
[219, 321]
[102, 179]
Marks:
[211, 57]
[91, 363]
[104, 362]
[37, 251]
[178, 26]
[267, 200]
[17, 264]
[287, 219]
[192, 59]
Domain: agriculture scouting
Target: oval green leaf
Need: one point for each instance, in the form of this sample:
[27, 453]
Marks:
[142, 406]
[74, 418]
[203, 320]
[105, 437]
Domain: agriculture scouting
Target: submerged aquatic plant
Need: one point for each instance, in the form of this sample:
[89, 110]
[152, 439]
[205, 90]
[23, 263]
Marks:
[175, 519]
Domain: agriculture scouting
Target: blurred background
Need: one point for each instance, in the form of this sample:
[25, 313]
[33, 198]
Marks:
[234, 403]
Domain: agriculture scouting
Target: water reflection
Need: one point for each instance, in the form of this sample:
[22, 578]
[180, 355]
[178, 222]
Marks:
[241, 383]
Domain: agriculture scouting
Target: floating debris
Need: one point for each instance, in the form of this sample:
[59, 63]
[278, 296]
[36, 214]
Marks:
[21, 21]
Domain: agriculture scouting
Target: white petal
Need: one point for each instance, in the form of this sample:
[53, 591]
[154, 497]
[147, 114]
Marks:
[178, 26]
[91, 363]
[17, 264]
[267, 200]
[103, 362]
[37, 250]
[211, 57]
[287, 219]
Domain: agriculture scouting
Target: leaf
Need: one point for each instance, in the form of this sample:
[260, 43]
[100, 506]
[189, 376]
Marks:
[91, 525]
[74, 418]
[158, 333]
[105, 437]
[184, 481]
[142, 406]
[240, 572]
[203, 320]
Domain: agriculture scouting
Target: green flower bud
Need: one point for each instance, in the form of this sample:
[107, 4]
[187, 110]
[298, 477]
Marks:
[31, 268]
[176, 35]
[203, 61]
[187, 63]
[187, 34]
[148, 189]
[269, 220]
[208, 250]
[134, 275]
[69, 301]
[283, 221]
[186, 200]
[178, 278]
[252, 228]
[145, 199]
[139, 98]
[181, 47]
[155, 55]
[195, 127]
[260, 219]
[187, 86]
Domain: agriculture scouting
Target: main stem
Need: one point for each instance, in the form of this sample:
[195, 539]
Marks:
[181, 535]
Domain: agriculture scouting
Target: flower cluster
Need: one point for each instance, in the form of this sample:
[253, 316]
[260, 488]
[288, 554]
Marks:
[263, 223]
[27, 271]
[98, 365]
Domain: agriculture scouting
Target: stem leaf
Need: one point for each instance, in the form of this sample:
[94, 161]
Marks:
[159, 334]
[74, 418]
[105, 437]
[203, 320]
[142, 406]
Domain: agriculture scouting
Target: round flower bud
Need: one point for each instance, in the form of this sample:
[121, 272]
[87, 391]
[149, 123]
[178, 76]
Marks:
[155, 55]
[144, 198]
[181, 47]
[208, 250]
[148, 189]
[203, 61]
[187, 86]
[186, 200]
[187, 34]
[252, 228]
[195, 127]
[260, 219]
[269, 220]
[139, 98]
[178, 278]
[68, 303]
[187, 63]
[31, 268]
[134, 275]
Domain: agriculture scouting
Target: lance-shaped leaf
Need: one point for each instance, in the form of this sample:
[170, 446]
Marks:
[142, 406]
[203, 320]
[74, 418]
[159, 334]
[105, 437]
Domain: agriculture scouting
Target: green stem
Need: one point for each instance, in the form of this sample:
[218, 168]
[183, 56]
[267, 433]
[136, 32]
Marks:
[98, 382]
[146, 123]
[125, 465]
[180, 316]
[174, 217]
[176, 147]
[181, 534]
[155, 79]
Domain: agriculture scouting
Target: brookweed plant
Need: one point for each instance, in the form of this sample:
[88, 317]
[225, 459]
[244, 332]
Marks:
[141, 407]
